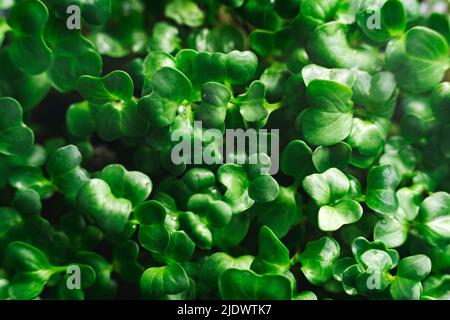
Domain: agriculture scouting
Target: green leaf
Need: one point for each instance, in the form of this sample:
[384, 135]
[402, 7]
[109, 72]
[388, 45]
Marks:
[262, 41]
[206, 214]
[213, 108]
[287, 9]
[157, 282]
[434, 217]
[263, 189]
[314, 14]
[199, 179]
[213, 267]
[240, 66]
[261, 14]
[234, 178]
[154, 237]
[237, 67]
[440, 23]
[437, 287]
[80, 119]
[215, 213]
[223, 38]
[440, 102]
[15, 136]
[126, 254]
[165, 37]
[318, 258]
[274, 79]
[109, 212]
[24, 178]
[280, 214]
[73, 56]
[115, 86]
[29, 90]
[251, 104]
[418, 60]
[409, 202]
[315, 72]
[376, 259]
[392, 21]
[340, 266]
[197, 229]
[328, 120]
[108, 45]
[391, 231]
[381, 184]
[4, 287]
[296, 160]
[414, 267]
[328, 46]
[132, 185]
[32, 270]
[361, 245]
[185, 12]
[273, 256]
[411, 271]
[328, 187]
[150, 212]
[27, 202]
[180, 248]
[233, 233]
[294, 93]
[154, 61]
[377, 93]
[117, 119]
[367, 141]
[158, 232]
[27, 286]
[349, 276]
[331, 218]
[170, 88]
[235, 284]
[28, 50]
[305, 295]
[65, 171]
[9, 218]
[337, 156]
[402, 156]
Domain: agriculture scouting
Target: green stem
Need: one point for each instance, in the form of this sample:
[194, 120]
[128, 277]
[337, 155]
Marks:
[272, 106]
[361, 198]
[295, 259]
[58, 269]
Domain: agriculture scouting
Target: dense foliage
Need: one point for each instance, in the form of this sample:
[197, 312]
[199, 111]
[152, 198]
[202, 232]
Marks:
[359, 210]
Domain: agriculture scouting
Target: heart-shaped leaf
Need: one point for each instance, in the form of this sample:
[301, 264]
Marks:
[115, 86]
[328, 120]
[109, 212]
[318, 258]
[235, 284]
[273, 256]
[156, 282]
[15, 136]
[381, 184]
[132, 185]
